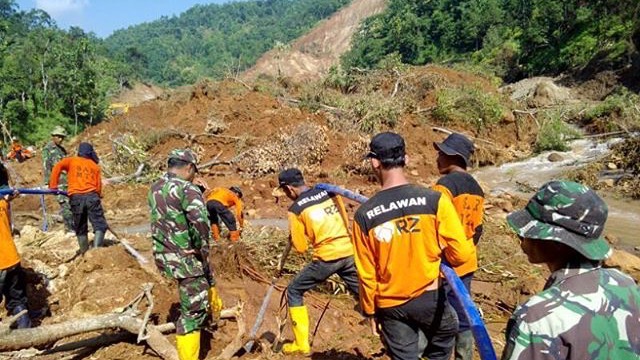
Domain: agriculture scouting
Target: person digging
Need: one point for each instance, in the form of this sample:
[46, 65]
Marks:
[219, 201]
[84, 184]
[319, 218]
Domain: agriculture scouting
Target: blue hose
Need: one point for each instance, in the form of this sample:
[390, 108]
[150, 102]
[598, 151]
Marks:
[479, 330]
[35, 191]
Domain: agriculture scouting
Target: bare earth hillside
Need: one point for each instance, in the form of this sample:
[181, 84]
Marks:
[313, 54]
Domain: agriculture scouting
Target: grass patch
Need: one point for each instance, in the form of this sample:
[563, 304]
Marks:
[554, 133]
[619, 111]
[468, 105]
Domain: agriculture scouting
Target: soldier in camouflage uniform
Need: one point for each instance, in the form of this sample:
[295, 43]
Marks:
[180, 235]
[585, 311]
[52, 153]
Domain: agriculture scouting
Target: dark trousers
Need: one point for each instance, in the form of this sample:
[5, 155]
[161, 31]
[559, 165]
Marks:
[430, 313]
[13, 289]
[87, 207]
[218, 211]
[317, 272]
[457, 306]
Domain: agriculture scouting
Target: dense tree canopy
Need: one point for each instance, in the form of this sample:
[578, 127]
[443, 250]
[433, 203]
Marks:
[49, 76]
[214, 40]
[515, 37]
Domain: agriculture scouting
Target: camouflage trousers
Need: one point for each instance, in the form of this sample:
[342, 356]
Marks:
[194, 304]
[65, 212]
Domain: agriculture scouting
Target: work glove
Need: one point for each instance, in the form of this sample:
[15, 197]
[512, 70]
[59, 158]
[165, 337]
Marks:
[215, 302]
[234, 235]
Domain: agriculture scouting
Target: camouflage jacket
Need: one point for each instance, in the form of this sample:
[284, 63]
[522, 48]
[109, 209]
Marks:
[585, 312]
[179, 223]
[51, 155]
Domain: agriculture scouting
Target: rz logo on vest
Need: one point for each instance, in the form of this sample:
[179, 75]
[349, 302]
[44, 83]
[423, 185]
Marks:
[330, 210]
[408, 225]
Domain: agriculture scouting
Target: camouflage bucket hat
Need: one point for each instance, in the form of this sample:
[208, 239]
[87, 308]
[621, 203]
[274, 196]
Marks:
[566, 212]
[59, 131]
[185, 155]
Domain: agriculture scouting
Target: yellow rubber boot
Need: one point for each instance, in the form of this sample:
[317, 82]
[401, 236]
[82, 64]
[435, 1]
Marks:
[188, 345]
[300, 326]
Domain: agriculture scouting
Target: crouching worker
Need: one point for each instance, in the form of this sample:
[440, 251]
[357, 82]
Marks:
[320, 218]
[585, 311]
[84, 186]
[180, 236]
[219, 201]
[12, 278]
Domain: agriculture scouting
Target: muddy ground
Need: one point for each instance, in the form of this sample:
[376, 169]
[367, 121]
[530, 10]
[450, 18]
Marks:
[108, 278]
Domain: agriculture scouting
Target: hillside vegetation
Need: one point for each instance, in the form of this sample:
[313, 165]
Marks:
[215, 40]
[50, 76]
[512, 38]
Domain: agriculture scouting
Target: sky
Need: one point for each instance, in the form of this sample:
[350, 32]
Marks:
[103, 17]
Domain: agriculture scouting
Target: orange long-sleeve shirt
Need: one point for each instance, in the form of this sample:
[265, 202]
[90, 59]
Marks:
[319, 218]
[83, 175]
[228, 198]
[468, 199]
[399, 237]
[9, 256]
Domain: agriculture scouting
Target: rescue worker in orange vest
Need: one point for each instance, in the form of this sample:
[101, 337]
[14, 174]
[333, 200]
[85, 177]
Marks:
[85, 190]
[12, 277]
[18, 152]
[468, 199]
[400, 235]
[319, 218]
[219, 201]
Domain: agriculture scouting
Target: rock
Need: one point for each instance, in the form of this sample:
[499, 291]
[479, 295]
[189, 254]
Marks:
[612, 166]
[414, 173]
[625, 262]
[555, 157]
[607, 182]
[508, 117]
[251, 213]
[505, 205]
[611, 239]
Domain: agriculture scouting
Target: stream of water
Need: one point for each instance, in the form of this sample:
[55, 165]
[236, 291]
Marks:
[624, 215]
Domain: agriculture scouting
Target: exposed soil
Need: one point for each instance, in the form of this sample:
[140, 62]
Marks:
[105, 279]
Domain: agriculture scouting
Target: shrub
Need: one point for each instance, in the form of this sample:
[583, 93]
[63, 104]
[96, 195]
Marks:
[554, 133]
[468, 105]
[619, 110]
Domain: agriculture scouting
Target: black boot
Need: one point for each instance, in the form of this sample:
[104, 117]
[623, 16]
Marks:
[98, 239]
[83, 243]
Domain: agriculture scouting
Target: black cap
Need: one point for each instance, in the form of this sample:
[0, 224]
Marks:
[386, 146]
[456, 144]
[291, 177]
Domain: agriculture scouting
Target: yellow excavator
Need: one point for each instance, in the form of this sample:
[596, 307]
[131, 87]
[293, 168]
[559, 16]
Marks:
[117, 109]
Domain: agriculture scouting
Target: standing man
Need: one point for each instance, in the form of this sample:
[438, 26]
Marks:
[180, 235]
[85, 191]
[468, 199]
[320, 218]
[219, 201]
[585, 312]
[12, 278]
[18, 152]
[52, 153]
[400, 234]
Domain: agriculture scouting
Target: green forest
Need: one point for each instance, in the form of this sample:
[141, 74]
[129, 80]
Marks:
[511, 38]
[50, 76]
[214, 40]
